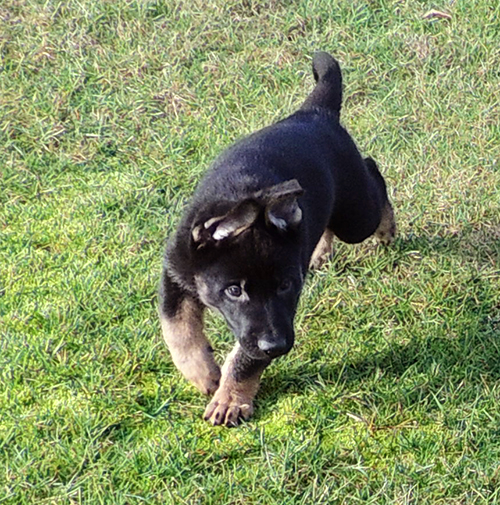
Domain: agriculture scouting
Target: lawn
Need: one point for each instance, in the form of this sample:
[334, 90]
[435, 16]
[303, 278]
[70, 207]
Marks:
[110, 112]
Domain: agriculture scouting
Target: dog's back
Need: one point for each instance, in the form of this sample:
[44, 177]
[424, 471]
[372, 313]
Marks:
[312, 147]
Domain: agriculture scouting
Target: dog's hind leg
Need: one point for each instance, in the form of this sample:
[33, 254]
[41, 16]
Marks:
[323, 250]
[239, 383]
[182, 324]
[386, 230]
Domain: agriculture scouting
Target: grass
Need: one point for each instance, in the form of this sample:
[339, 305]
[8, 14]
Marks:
[109, 114]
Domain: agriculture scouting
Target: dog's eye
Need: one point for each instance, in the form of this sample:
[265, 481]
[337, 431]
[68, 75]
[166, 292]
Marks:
[234, 291]
[285, 286]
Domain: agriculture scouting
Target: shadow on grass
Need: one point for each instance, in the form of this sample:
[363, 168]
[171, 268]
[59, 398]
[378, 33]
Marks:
[474, 357]
[467, 353]
[481, 245]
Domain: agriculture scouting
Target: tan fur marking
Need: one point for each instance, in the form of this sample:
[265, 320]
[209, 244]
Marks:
[203, 290]
[386, 230]
[233, 400]
[323, 250]
[190, 349]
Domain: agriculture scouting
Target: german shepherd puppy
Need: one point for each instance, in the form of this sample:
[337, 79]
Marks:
[267, 209]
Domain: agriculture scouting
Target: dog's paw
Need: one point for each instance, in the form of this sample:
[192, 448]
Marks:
[228, 409]
[386, 231]
[386, 237]
[323, 251]
[206, 378]
[318, 261]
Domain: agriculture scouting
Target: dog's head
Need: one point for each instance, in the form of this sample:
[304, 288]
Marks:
[250, 267]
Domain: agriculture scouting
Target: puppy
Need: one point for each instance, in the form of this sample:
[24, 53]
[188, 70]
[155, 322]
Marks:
[267, 209]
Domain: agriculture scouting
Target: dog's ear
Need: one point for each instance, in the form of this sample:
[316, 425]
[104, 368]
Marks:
[237, 220]
[282, 208]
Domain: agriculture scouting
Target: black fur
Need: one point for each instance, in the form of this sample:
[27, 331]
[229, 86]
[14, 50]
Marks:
[244, 244]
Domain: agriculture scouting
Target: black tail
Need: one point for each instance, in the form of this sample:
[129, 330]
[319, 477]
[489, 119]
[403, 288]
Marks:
[328, 90]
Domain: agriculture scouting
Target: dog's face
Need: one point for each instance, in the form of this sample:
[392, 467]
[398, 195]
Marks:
[250, 269]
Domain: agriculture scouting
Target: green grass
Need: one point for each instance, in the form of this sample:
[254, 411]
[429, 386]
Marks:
[109, 114]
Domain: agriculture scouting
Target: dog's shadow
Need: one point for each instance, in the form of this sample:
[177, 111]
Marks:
[474, 354]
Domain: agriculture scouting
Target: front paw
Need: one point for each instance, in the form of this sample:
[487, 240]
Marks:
[205, 377]
[228, 408]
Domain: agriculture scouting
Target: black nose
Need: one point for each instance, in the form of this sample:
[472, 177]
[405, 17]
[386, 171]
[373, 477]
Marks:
[273, 347]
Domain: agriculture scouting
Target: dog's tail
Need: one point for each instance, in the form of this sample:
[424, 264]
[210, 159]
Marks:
[328, 90]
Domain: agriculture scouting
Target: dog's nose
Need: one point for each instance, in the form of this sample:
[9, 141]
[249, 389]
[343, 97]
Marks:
[273, 347]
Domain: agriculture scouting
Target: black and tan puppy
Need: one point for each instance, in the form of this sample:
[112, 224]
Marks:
[268, 209]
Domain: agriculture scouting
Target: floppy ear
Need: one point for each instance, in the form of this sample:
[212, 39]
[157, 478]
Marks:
[282, 208]
[237, 220]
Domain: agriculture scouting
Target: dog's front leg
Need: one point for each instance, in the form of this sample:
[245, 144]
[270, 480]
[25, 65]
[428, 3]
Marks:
[181, 319]
[239, 383]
